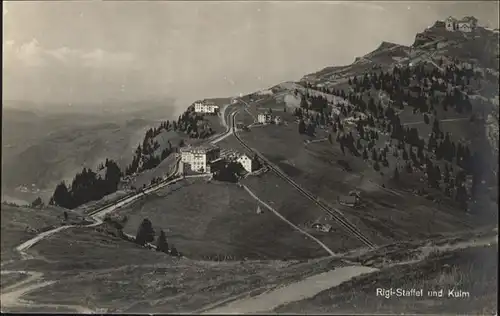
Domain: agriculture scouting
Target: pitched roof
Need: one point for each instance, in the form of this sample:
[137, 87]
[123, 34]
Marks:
[206, 102]
[468, 19]
[348, 199]
[244, 156]
[199, 149]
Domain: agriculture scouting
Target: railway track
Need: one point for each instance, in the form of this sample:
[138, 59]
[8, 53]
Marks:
[336, 214]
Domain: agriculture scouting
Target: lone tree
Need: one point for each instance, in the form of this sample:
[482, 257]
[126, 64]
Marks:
[396, 174]
[37, 202]
[161, 242]
[302, 127]
[145, 233]
[303, 102]
[426, 119]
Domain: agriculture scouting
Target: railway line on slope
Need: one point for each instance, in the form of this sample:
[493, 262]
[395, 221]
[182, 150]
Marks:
[335, 213]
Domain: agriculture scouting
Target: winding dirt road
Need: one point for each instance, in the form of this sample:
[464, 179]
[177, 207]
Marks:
[309, 287]
[10, 296]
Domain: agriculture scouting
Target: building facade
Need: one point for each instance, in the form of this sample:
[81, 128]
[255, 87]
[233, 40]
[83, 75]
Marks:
[467, 24]
[247, 163]
[264, 118]
[464, 27]
[205, 107]
[451, 23]
[199, 158]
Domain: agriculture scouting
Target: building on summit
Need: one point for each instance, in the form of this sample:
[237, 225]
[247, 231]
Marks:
[467, 24]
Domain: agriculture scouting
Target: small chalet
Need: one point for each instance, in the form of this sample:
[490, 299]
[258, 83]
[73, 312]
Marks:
[322, 225]
[351, 200]
[326, 228]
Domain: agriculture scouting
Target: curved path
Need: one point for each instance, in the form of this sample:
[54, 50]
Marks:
[309, 287]
[98, 215]
[228, 132]
[10, 296]
[13, 293]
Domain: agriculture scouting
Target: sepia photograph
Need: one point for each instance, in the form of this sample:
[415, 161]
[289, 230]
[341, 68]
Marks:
[250, 157]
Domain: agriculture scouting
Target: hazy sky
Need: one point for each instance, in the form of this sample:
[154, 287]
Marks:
[92, 50]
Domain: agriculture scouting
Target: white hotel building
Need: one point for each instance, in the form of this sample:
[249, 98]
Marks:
[199, 158]
[205, 107]
[264, 118]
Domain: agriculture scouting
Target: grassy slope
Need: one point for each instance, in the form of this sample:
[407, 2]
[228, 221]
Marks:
[15, 220]
[12, 278]
[473, 270]
[122, 276]
[100, 271]
[391, 213]
[204, 220]
[119, 275]
[388, 215]
[299, 210]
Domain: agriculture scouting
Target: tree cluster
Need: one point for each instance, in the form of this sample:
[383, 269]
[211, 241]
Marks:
[194, 125]
[146, 234]
[145, 156]
[230, 172]
[87, 186]
[416, 87]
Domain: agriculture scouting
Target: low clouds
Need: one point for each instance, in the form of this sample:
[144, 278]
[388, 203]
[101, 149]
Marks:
[99, 58]
[32, 71]
[95, 50]
[363, 5]
[32, 54]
